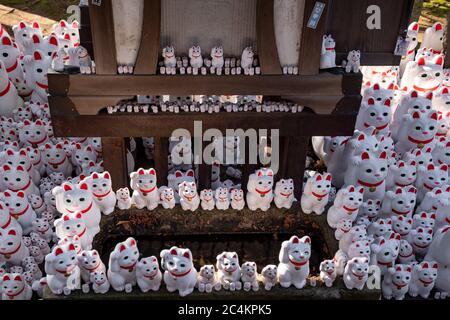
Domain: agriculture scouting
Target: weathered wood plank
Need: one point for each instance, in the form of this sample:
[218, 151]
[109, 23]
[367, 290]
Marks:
[109, 85]
[161, 159]
[267, 47]
[289, 124]
[102, 26]
[147, 59]
[115, 160]
[311, 42]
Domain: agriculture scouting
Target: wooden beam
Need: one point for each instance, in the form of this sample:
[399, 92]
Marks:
[311, 42]
[295, 153]
[115, 160]
[102, 26]
[163, 124]
[265, 30]
[323, 84]
[147, 59]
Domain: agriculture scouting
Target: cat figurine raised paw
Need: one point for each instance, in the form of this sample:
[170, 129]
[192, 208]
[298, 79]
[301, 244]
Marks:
[293, 268]
[396, 282]
[122, 265]
[423, 278]
[61, 267]
[328, 55]
[346, 205]
[328, 272]
[259, 190]
[104, 196]
[145, 190]
[222, 197]
[356, 273]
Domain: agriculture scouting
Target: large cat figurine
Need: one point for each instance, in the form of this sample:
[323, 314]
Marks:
[122, 265]
[145, 190]
[293, 268]
[259, 190]
[180, 273]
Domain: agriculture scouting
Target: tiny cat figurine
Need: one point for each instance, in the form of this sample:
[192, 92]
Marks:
[168, 54]
[207, 199]
[356, 273]
[328, 55]
[269, 276]
[100, 283]
[145, 191]
[217, 57]
[148, 275]
[385, 251]
[56, 159]
[180, 273]
[247, 58]
[104, 196]
[34, 63]
[259, 190]
[195, 55]
[14, 287]
[189, 198]
[237, 199]
[356, 233]
[353, 62]
[249, 276]
[406, 253]
[167, 197]
[434, 38]
[315, 195]
[293, 268]
[328, 272]
[222, 198]
[360, 248]
[16, 158]
[284, 194]
[229, 271]
[343, 227]
[122, 265]
[43, 228]
[61, 267]
[346, 205]
[207, 279]
[396, 282]
[423, 279]
[33, 133]
[89, 262]
[123, 198]
[370, 209]
[379, 228]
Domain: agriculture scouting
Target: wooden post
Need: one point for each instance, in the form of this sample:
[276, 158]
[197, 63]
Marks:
[115, 161]
[204, 175]
[267, 47]
[104, 43]
[161, 159]
[147, 59]
[311, 43]
[296, 159]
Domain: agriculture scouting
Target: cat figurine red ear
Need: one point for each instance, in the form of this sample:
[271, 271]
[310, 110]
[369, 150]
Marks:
[293, 268]
[412, 37]
[89, 261]
[346, 205]
[104, 196]
[9, 97]
[14, 287]
[396, 282]
[122, 265]
[180, 273]
[316, 194]
[259, 190]
[61, 267]
[229, 271]
[145, 190]
[148, 274]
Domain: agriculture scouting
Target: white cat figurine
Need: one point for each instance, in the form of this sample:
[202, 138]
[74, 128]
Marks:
[89, 262]
[189, 198]
[229, 271]
[180, 273]
[259, 190]
[396, 282]
[356, 273]
[145, 191]
[328, 272]
[423, 279]
[222, 197]
[293, 268]
[122, 265]
[123, 198]
[100, 283]
[249, 276]
[61, 267]
[12, 248]
[167, 197]
[316, 193]
[237, 199]
[207, 199]
[207, 279]
[269, 276]
[328, 55]
[148, 275]
[346, 205]
[104, 196]
[14, 287]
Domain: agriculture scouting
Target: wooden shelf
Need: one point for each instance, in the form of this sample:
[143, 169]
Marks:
[338, 291]
[332, 83]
